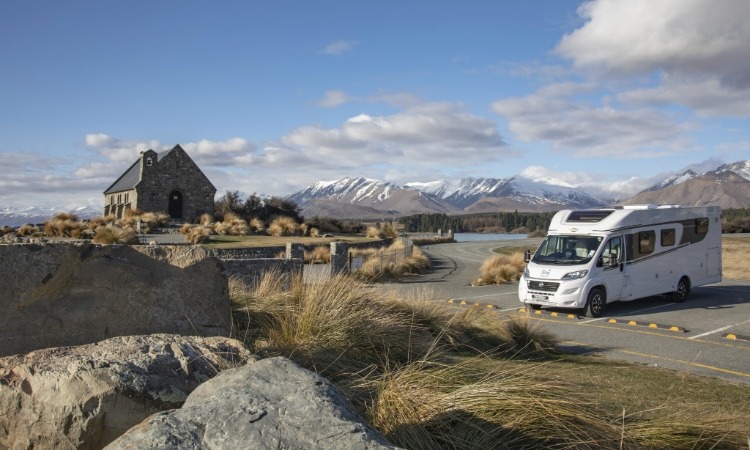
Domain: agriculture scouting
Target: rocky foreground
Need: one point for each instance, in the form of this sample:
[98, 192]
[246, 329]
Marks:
[171, 392]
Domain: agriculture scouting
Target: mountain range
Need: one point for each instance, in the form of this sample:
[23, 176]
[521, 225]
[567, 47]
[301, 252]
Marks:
[727, 185]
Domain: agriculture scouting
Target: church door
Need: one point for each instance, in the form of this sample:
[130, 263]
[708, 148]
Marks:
[175, 205]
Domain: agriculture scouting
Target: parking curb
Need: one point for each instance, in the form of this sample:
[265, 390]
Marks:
[736, 337]
[650, 325]
[462, 301]
[550, 313]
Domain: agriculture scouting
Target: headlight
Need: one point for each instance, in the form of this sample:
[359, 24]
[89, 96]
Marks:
[575, 275]
[526, 272]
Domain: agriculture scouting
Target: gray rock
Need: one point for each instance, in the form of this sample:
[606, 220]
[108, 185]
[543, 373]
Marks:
[70, 294]
[270, 404]
[84, 397]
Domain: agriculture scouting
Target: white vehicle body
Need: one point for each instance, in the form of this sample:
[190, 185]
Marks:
[593, 257]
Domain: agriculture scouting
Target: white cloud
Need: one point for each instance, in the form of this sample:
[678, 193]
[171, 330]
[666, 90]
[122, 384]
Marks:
[708, 97]
[338, 48]
[331, 99]
[637, 36]
[701, 49]
[591, 183]
[556, 115]
[427, 134]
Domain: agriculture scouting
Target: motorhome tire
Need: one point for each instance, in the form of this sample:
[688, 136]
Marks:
[682, 291]
[595, 303]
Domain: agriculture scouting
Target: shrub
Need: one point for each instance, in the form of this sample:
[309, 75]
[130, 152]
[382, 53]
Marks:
[283, 226]
[63, 225]
[199, 234]
[232, 225]
[207, 220]
[501, 269]
[320, 254]
[373, 232]
[390, 263]
[27, 230]
[111, 234]
[256, 225]
[155, 219]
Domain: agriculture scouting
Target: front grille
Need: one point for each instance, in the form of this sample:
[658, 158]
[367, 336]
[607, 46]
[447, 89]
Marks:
[545, 286]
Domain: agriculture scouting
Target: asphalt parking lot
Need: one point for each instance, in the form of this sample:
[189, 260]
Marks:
[708, 334]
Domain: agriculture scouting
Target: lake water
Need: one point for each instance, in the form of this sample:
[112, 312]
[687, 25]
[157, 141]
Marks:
[470, 237]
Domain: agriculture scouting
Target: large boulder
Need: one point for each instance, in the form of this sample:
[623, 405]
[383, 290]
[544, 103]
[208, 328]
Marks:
[54, 295]
[84, 397]
[270, 404]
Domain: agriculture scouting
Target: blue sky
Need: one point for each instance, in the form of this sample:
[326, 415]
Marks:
[269, 97]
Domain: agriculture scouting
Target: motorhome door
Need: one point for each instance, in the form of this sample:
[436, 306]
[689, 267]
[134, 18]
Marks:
[613, 274]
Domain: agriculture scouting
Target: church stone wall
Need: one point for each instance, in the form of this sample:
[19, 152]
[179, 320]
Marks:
[175, 172]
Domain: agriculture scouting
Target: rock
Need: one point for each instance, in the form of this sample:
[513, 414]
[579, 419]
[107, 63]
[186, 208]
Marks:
[70, 294]
[84, 397]
[269, 404]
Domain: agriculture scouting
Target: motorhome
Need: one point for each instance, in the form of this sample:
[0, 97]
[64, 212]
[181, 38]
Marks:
[598, 256]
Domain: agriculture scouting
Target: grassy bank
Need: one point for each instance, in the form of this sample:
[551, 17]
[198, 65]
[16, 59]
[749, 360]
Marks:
[735, 250]
[429, 377]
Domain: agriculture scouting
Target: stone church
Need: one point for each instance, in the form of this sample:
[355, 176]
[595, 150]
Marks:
[162, 182]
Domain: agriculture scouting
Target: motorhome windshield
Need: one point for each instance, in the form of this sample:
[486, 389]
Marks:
[567, 249]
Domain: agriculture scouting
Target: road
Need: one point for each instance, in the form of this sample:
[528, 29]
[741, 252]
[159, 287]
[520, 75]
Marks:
[707, 335]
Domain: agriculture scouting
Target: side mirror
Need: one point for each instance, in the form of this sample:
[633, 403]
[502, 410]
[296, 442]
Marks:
[527, 255]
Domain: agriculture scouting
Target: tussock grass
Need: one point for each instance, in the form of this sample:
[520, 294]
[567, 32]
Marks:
[432, 378]
[390, 263]
[284, 226]
[501, 269]
[199, 234]
[27, 230]
[321, 254]
[112, 234]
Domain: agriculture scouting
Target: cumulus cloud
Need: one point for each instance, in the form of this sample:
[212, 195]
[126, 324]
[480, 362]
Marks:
[338, 48]
[426, 134]
[556, 115]
[708, 97]
[331, 99]
[699, 47]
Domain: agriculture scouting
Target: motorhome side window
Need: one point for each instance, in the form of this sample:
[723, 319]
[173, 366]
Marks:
[667, 237]
[646, 240]
[611, 253]
[701, 225]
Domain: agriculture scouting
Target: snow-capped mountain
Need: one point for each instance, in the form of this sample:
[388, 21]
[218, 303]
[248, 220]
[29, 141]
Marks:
[14, 217]
[727, 186]
[470, 195]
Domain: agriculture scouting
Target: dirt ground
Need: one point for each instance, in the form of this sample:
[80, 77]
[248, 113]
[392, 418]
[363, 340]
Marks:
[735, 251]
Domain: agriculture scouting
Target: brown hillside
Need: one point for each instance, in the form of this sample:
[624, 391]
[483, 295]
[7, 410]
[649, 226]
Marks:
[726, 189]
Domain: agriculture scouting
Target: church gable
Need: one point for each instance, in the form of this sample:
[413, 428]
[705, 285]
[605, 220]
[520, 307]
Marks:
[168, 182]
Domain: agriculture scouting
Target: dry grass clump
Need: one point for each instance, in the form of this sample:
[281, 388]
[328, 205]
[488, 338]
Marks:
[428, 377]
[478, 403]
[64, 225]
[256, 225]
[27, 230]
[112, 234]
[318, 255]
[420, 374]
[501, 269]
[232, 225]
[199, 234]
[155, 219]
[372, 232]
[390, 263]
[284, 226]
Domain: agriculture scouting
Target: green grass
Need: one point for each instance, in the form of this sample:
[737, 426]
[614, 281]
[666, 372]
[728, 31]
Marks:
[429, 377]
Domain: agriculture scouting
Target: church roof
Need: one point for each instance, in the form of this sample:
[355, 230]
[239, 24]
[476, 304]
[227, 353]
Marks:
[128, 180]
[132, 176]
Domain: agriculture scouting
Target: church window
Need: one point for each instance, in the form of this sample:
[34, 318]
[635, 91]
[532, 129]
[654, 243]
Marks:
[149, 161]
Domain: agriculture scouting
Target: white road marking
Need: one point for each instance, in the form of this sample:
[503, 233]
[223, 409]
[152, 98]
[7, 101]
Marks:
[719, 330]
